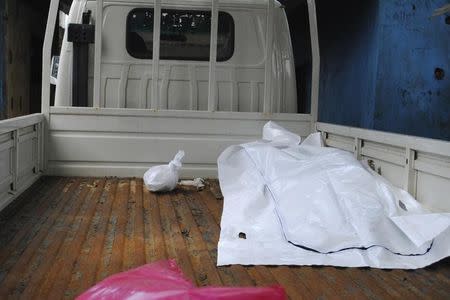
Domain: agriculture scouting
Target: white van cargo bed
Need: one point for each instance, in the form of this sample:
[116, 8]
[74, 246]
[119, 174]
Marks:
[69, 231]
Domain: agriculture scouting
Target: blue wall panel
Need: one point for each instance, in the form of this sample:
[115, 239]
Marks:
[2, 61]
[348, 50]
[378, 63]
[410, 99]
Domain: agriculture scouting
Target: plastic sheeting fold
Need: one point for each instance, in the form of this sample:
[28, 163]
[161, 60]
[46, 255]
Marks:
[312, 205]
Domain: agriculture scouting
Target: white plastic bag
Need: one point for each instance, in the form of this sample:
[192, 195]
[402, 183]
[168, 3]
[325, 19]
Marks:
[312, 205]
[198, 183]
[164, 178]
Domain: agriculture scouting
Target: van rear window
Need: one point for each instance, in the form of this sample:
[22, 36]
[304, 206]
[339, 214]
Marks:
[185, 34]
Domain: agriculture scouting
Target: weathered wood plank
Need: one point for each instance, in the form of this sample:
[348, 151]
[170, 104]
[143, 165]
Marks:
[261, 276]
[84, 272]
[231, 275]
[155, 247]
[33, 263]
[204, 266]
[25, 231]
[295, 288]
[28, 199]
[175, 246]
[318, 285]
[134, 253]
[112, 256]
[54, 248]
[60, 274]
[395, 280]
[24, 208]
[214, 188]
[214, 206]
[371, 287]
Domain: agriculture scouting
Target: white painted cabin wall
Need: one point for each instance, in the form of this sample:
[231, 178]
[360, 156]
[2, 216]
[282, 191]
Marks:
[21, 145]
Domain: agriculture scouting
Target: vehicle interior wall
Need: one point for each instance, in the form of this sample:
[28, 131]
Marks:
[383, 66]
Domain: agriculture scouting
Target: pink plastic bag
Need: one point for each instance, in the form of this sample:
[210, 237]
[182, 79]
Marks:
[165, 281]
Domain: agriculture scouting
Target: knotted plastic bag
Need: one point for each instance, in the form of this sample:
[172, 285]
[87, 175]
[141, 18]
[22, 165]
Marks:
[164, 178]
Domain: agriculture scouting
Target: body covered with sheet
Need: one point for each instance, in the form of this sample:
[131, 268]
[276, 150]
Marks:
[306, 204]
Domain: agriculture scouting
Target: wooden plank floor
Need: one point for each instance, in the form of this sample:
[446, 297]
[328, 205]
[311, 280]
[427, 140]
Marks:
[65, 234]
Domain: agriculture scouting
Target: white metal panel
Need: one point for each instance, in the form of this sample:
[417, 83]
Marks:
[244, 94]
[27, 152]
[315, 49]
[21, 155]
[156, 47]
[268, 77]
[46, 55]
[20, 122]
[433, 191]
[212, 88]
[112, 95]
[5, 164]
[132, 98]
[177, 92]
[98, 53]
[100, 169]
[137, 148]
[416, 143]
[190, 3]
[432, 179]
[419, 165]
[6, 171]
[286, 88]
[339, 141]
[391, 154]
[125, 142]
[245, 66]
[185, 122]
[392, 172]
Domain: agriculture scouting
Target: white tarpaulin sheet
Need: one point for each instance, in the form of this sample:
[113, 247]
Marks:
[291, 204]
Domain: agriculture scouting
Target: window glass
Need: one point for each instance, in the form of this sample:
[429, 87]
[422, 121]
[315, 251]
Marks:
[185, 34]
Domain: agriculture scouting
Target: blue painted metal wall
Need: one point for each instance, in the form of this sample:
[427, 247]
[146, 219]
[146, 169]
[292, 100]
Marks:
[378, 63]
[348, 50]
[2, 61]
[409, 98]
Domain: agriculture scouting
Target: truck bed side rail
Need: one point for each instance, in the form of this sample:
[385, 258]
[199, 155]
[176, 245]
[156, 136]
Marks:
[21, 155]
[420, 166]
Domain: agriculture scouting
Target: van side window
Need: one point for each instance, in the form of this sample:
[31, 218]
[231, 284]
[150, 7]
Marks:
[185, 34]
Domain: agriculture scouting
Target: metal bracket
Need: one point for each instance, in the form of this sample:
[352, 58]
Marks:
[81, 33]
